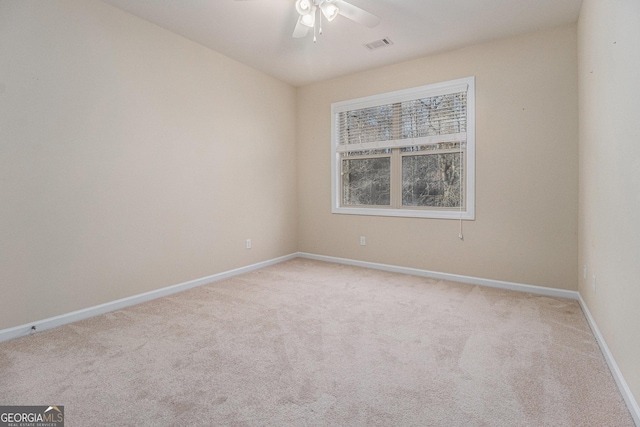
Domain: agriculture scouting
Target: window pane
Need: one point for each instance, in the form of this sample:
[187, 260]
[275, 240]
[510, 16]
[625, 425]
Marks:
[366, 181]
[431, 180]
[438, 115]
[366, 125]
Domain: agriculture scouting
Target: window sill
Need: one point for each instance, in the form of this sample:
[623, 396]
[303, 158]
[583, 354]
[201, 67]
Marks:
[406, 213]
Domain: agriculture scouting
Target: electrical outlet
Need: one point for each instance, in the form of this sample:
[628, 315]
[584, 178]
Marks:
[594, 284]
[363, 240]
[248, 243]
[584, 271]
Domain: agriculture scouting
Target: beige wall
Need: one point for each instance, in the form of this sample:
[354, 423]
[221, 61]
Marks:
[527, 166]
[131, 159]
[609, 59]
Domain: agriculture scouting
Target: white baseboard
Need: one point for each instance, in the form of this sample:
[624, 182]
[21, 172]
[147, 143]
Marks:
[539, 290]
[53, 322]
[634, 409]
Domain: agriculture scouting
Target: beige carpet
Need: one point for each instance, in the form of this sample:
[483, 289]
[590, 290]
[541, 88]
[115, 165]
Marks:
[307, 343]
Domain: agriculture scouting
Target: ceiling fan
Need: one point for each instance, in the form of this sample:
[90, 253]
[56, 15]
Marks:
[312, 11]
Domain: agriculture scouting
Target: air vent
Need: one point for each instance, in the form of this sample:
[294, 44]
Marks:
[379, 44]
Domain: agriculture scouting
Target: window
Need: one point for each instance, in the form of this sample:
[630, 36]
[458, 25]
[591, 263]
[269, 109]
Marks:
[407, 153]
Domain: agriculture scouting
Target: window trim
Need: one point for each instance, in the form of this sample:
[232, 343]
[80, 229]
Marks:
[443, 88]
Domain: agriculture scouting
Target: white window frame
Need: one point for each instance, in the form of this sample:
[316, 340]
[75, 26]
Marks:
[452, 86]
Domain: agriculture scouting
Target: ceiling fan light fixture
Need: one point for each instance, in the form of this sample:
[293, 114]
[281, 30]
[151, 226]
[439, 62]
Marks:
[303, 7]
[309, 19]
[308, 9]
[329, 10]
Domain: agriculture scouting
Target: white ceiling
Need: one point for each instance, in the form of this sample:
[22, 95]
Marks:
[258, 32]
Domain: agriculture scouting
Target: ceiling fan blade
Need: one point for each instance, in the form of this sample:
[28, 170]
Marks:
[301, 30]
[358, 15]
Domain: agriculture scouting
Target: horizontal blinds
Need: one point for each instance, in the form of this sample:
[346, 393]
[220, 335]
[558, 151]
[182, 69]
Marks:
[401, 143]
[427, 120]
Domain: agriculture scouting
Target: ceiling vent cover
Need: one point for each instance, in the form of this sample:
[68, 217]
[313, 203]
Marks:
[379, 44]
